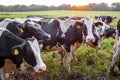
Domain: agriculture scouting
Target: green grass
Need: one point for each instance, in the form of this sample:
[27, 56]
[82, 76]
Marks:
[90, 66]
[55, 14]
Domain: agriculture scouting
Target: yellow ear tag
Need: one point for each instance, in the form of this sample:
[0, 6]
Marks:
[21, 30]
[16, 52]
[78, 27]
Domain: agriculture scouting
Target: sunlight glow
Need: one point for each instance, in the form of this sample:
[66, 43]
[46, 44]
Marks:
[54, 2]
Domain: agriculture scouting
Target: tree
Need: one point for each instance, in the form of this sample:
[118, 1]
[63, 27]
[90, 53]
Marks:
[116, 6]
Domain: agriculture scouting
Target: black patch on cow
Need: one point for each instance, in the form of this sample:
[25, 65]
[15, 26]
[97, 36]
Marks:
[106, 19]
[53, 28]
[98, 23]
[29, 55]
[2, 61]
[110, 32]
[14, 27]
[73, 35]
[7, 41]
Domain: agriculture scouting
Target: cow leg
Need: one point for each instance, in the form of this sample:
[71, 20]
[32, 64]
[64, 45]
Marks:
[68, 61]
[74, 48]
[1, 74]
[62, 53]
[115, 59]
[116, 42]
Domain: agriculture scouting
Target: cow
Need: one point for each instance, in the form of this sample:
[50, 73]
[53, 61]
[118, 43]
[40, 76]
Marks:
[106, 19]
[116, 52]
[24, 30]
[93, 37]
[17, 49]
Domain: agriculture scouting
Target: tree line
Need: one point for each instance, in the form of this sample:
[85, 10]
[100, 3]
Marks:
[90, 7]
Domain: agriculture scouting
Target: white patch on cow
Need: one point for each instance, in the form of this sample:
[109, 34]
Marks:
[20, 20]
[5, 22]
[89, 23]
[32, 23]
[65, 24]
[40, 65]
[35, 19]
[51, 20]
[1, 74]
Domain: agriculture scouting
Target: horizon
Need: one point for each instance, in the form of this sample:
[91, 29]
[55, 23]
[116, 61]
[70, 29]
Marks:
[54, 2]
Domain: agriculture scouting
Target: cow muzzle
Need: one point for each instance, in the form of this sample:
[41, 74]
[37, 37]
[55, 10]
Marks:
[40, 69]
[90, 40]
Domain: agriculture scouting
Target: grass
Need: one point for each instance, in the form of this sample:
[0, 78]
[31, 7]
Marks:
[90, 66]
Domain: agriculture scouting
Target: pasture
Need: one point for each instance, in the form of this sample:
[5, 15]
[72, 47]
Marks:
[90, 66]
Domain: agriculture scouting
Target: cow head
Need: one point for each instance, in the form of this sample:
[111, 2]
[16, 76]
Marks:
[100, 28]
[109, 19]
[88, 30]
[30, 51]
[34, 29]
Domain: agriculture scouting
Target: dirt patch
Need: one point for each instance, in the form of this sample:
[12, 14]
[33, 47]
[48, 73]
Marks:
[29, 74]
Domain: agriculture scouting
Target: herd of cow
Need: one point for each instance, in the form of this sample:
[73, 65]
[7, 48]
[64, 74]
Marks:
[20, 39]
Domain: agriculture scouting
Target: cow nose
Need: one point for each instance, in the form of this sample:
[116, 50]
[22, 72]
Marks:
[48, 37]
[42, 69]
[91, 40]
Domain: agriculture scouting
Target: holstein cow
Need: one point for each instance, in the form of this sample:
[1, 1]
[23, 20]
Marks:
[74, 33]
[83, 32]
[25, 29]
[106, 19]
[63, 34]
[116, 52]
[17, 49]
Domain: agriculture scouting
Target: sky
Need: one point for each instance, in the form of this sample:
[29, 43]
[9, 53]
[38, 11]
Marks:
[54, 2]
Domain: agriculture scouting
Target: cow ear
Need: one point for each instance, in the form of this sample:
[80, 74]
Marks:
[20, 26]
[78, 25]
[98, 24]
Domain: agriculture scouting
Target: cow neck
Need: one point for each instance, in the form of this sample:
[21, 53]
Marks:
[12, 40]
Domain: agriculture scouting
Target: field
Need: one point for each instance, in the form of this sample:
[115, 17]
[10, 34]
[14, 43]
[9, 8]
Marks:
[90, 66]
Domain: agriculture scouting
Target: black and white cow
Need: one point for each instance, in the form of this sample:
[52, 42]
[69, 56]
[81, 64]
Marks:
[17, 49]
[25, 29]
[116, 52]
[106, 19]
[87, 31]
